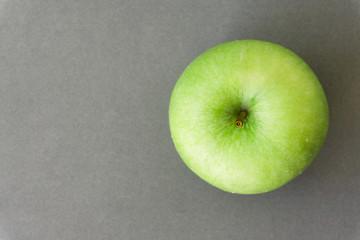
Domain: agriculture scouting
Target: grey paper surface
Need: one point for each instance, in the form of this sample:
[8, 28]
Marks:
[86, 152]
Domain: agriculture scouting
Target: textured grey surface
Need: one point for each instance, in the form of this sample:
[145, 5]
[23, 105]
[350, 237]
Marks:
[85, 150]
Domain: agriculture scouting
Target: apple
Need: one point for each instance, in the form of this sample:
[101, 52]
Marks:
[248, 116]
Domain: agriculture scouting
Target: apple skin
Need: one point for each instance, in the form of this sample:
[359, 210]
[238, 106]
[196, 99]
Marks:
[285, 127]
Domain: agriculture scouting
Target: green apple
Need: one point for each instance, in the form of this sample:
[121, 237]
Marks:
[248, 116]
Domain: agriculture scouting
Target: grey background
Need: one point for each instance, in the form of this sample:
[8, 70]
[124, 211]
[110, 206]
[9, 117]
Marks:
[85, 150]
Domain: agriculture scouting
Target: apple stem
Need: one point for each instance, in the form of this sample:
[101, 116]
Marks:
[240, 119]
